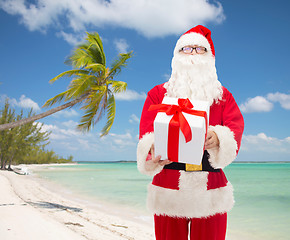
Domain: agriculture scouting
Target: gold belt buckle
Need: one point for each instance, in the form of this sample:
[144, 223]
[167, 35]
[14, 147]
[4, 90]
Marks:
[192, 167]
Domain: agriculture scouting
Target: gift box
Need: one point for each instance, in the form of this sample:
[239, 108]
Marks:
[180, 129]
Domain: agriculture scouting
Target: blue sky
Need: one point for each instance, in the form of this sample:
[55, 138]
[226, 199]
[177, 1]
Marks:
[251, 39]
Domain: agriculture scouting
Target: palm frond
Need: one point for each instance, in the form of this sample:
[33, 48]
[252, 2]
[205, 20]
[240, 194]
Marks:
[80, 57]
[117, 86]
[96, 68]
[88, 53]
[79, 86]
[111, 112]
[86, 122]
[93, 84]
[55, 99]
[69, 73]
[120, 62]
[96, 94]
[94, 112]
[96, 47]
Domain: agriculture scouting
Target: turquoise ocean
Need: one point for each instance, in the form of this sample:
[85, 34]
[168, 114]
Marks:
[262, 193]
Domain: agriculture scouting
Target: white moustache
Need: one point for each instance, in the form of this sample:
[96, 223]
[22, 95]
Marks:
[194, 76]
[199, 60]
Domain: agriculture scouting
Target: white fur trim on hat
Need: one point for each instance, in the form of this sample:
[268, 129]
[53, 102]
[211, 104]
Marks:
[192, 39]
[143, 148]
[192, 200]
[227, 151]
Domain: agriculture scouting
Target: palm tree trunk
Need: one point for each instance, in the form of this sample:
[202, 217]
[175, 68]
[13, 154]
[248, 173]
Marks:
[39, 116]
[2, 162]
[10, 161]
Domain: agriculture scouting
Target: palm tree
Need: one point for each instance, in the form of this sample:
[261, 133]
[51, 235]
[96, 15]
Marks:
[92, 87]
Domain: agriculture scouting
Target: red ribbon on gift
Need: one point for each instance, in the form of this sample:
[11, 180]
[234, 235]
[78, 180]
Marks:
[178, 121]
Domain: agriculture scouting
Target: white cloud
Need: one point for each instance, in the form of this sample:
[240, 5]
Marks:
[70, 124]
[66, 114]
[130, 95]
[46, 127]
[121, 140]
[55, 132]
[154, 18]
[121, 45]
[167, 76]
[84, 143]
[256, 104]
[265, 104]
[23, 102]
[72, 38]
[134, 119]
[35, 16]
[265, 144]
[66, 140]
[61, 133]
[26, 102]
[3, 98]
[282, 98]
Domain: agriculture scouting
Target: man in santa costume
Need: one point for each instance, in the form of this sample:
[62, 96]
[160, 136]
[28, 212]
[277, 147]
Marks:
[188, 200]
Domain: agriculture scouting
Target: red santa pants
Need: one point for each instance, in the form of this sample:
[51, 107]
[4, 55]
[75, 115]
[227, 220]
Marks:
[211, 228]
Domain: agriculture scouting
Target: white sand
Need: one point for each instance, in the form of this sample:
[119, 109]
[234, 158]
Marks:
[30, 211]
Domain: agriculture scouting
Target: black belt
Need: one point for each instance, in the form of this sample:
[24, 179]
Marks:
[205, 166]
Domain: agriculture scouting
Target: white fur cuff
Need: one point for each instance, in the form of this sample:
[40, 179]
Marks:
[143, 148]
[227, 151]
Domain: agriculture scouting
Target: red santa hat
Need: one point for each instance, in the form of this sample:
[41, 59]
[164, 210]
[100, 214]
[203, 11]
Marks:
[198, 35]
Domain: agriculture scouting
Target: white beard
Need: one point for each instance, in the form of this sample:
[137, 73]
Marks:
[194, 77]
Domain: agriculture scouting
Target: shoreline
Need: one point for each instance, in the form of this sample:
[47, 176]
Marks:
[117, 209]
[33, 208]
[29, 209]
[129, 161]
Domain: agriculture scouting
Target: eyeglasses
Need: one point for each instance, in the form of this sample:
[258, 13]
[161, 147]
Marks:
[198, 50]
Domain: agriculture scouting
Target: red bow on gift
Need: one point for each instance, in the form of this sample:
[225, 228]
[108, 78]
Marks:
[177, 122]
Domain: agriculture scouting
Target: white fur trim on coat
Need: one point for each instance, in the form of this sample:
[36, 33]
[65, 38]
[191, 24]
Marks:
[192, 200]
[227, 151]
[143, 148]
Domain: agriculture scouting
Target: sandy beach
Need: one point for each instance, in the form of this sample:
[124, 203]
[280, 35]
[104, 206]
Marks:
[33, 208]
[28, 210]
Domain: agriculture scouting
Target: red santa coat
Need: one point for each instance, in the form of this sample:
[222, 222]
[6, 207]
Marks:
[192, 194]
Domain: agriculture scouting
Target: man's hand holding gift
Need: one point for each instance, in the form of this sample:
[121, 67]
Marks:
[157, 159]
[211, 141]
